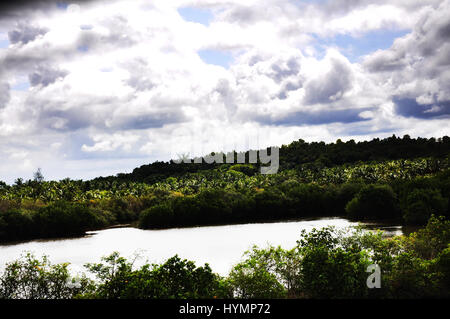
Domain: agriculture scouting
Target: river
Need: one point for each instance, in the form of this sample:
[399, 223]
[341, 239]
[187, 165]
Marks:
[220, 246]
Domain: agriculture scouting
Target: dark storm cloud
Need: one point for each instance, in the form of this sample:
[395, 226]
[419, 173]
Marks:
[410, 108]
[4, 94]
[426, 46]
[146, 121]
[227, 95]
[386, 62]
[25, 33]
[13, 10]
[120, 35]
[333, 7]
[143, 83]
[140, 75]
[318, 117]
[287, 87]
[45, 75]
[281, 71]
[92, 112]
[22, 61]
[338, 7]
[444, 31]
[65, 120]
[65, 115]
[331, 86]
[241, 14]
[416, 67]
[248, 15]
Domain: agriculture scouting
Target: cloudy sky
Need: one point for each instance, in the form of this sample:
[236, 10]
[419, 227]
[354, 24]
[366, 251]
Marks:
[99, 87]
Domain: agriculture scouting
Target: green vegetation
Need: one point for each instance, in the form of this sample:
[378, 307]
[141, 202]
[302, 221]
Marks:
[373, 202]
[325, 263]
[399, 179]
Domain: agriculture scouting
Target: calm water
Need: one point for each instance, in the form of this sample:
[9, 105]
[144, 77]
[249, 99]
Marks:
[220, 246]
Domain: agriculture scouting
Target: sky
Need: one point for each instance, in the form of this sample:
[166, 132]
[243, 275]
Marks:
[96, 88]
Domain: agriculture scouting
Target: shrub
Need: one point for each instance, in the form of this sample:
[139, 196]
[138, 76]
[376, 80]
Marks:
[269, 204]
[159, 216]
[31, 278]
[247, 169]
[374, 202]
[266, 273]
[64, 219]
[215, 206]
[176, 278]
[421, 204]
[16, 225]
[329, 271]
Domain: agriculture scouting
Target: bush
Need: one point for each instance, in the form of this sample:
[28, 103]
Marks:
[427, 242]
[443, 267]
[374, 202]
[329, 271]
[215, 206]
[16, 225]
[63, 218]
[182, 279]
[159, 216]
[186, 211]
[421, 204]
[269, 204]
[266, 273]
[255, 283]
[176, 278]
[119, 207]
[30, 278]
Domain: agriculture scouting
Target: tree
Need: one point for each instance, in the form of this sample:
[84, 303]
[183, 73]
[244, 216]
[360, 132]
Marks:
[374, 202]
[31, 278]
[37, 176]
[422, 203]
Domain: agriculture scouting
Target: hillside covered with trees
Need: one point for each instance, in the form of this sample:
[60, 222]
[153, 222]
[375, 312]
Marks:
[402, 179]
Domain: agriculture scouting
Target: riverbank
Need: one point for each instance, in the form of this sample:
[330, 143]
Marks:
[268, 271]
[219, 245]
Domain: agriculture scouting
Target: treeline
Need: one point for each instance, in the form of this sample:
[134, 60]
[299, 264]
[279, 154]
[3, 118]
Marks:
[28, 219]
[310, 184]
[325, 264]
[298, 153]
[407, 191]
[410, 202]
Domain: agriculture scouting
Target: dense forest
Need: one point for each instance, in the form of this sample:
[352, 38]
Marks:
[401, 179]
[325, 263]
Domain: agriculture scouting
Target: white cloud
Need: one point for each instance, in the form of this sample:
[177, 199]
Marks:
[104, 142]
[121, 78]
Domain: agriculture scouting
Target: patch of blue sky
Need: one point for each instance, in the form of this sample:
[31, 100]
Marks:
[4, 41]
[62, 5]
[83, 48]
[300, 3]
[199, 15]
[21, 86]
[86, 27]
[355, 47]
[310, 1]
[216, 57]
